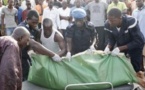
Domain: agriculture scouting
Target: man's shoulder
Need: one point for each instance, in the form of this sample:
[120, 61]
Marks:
[90, 25]
[71, 25]
[4, 8]
[111, 4]
[46, 8]
[91, 3]
[135, 11]
[107, 23]
[20, 9]
[8, 41]
[107, 26]
[131, 21]
[22, 24]
[15, 9]
[58, 34]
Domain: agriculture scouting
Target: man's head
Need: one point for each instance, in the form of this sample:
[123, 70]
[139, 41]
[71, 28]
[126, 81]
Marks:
[17, 4]
[79, 15]
[28, 4]
[50, 3]
[77, 3]
[115, 1]
[40, 2]
[97, 0]
[47, 26]
[64, 4]
[32, 19]
[139, 3]
[10, 3]
[22, 35]
[114, 17]
[68, 1]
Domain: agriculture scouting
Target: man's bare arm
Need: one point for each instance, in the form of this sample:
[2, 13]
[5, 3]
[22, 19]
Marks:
[37, 47]
[60, 40]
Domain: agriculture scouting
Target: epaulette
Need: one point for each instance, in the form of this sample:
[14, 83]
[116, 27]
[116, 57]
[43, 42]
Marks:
[132, 22]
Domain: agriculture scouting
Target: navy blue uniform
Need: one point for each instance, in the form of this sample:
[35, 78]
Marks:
[82, 38]
[25, 57]
[129, 35]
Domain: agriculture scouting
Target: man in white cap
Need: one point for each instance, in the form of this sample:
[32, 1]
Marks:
[80, 35]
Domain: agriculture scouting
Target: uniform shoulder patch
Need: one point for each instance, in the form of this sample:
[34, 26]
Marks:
[132, 22]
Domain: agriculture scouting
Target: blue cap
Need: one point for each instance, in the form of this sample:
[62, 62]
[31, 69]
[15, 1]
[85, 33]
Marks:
[78, 13]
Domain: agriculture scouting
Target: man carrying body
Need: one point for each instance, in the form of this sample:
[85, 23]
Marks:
[80, 35]
[51, 38]
[125, 33]
[31, 24]
[10, 62]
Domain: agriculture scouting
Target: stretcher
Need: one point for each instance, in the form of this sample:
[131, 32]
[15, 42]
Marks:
[29, 86]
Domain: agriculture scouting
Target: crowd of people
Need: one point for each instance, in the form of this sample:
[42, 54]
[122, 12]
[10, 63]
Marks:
[64, 28]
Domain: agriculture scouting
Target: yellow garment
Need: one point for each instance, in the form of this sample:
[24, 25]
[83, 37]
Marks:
[120, 5]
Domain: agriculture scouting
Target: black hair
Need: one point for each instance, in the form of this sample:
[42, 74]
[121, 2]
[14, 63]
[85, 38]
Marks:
[32, 13]
[115, 12]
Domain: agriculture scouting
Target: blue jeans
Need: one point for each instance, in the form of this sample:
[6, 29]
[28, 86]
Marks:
[9, 31]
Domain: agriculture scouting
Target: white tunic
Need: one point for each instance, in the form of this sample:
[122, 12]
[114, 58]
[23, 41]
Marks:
[49, 42]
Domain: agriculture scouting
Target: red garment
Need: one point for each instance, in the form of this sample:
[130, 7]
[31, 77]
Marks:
[24, 14]
[10, 65]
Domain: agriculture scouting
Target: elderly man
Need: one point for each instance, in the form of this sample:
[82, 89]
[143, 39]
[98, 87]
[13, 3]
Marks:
[10, 59]
[80, 35]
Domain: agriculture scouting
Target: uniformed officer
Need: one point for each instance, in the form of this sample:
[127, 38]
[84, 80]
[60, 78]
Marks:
[124, 33]
[80, 34]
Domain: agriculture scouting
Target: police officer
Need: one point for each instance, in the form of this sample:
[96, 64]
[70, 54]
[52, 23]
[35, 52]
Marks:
[124, 33]
[80, 35]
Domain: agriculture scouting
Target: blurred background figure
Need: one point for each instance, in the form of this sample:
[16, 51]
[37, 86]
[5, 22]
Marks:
[117, 4]
[24, 6]
[40, 8]
[25, 12]
[1, 6]
[65, 18]
[20, 10]
[52, 13]
[57, 4]
[9, 18]
[97, 14]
